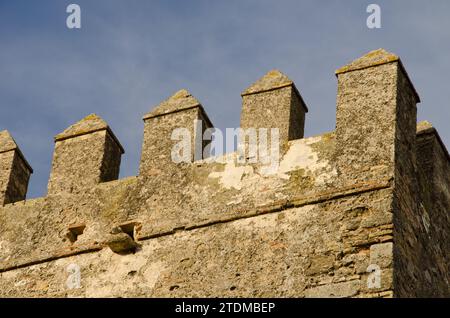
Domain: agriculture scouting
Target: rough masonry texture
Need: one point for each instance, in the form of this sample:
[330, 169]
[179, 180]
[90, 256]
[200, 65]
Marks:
[362, 211]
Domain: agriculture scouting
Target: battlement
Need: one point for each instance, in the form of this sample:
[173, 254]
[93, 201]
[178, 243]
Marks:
[374, 191]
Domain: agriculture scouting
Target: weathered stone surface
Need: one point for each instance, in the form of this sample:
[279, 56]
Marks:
[427, 239]
[7, 143]
[381, 254]
[371, 59]
[89, 124]
[86, 154]
[181, 110]
[272, 80]
[274, 102]
[264, 255]
[179, 101]
[366, 121]
[374, 192]
[15, 171]
[344, 289]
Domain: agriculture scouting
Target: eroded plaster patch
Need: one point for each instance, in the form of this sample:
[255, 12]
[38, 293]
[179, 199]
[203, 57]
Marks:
[302, 156]
[232, 175]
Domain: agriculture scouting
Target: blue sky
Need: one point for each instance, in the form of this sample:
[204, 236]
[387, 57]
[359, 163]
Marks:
[130, 55]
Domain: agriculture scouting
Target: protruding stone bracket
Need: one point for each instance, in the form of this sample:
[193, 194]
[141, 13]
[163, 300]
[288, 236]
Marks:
[122, 240]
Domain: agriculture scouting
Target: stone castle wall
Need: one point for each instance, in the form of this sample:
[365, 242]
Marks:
[371, 197]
